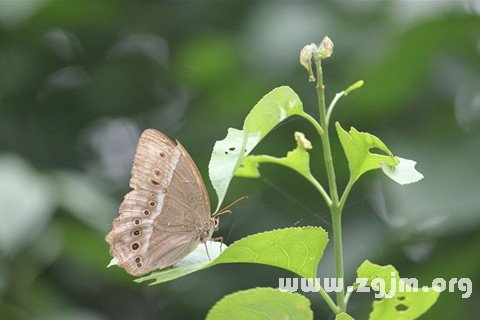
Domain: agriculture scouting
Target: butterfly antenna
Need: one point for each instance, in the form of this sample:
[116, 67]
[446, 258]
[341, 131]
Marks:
[225, 209]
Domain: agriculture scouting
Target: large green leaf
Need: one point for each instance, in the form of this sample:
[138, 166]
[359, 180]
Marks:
[357, 146]
[297, 159]
[261, 304]
[396, 305]
[228, 154]
[296, 249]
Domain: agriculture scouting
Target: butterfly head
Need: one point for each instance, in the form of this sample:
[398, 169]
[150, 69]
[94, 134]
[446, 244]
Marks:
[207, 230]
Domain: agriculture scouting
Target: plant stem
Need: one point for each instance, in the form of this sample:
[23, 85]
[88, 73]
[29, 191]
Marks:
[313, 122]
[327, 152]
[309, 176]
[337, 246]
[328, 300]
[345, 194]
[347, 297]
[335, 208]
[320, 189]
[332, 105]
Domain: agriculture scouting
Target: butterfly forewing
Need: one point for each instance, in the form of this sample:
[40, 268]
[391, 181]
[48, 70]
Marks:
[159, 220]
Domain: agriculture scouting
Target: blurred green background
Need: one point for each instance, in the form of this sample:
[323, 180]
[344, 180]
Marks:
[79, 81]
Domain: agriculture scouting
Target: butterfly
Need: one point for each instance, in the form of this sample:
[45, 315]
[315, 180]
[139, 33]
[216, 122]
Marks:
[167, 214]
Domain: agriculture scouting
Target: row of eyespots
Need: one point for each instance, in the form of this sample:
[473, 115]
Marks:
[136, 245]
[146, 212]
[138, 262]
[157, 173]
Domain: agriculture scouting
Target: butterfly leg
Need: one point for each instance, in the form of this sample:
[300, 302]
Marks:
[206, 248]
[221, 241]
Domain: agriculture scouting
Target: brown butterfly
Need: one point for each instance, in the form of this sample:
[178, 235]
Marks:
[167, 214]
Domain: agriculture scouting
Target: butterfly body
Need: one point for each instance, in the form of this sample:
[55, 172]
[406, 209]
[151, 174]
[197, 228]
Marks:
[167, 214]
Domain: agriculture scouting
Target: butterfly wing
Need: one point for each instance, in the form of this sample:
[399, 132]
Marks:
[159, 220]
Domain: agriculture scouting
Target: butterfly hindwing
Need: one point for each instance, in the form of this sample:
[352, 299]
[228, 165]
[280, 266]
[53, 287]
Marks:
[160, 219]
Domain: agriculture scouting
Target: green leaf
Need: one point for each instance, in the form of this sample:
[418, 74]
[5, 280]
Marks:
[401, 305]
[357, 146]
[228, 154]
[343, 316]
[249, 167]
[261, 304]
[196, 260]
[295, 249]
[297, 159]
[273, 108]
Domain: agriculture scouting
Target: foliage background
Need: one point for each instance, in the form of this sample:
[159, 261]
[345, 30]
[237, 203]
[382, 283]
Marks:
[79, 81]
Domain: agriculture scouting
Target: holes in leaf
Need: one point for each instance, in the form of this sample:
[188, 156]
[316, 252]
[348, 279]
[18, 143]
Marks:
[401, 307]
[136, 232]
[146, 212]
[232, 149]
[139, 265]
[135, 246]
[152, 203]
[137, 260]
[157, 172]
[155, 182]
[226, 152]
[136, 221]
[401, 298]
[162, 154]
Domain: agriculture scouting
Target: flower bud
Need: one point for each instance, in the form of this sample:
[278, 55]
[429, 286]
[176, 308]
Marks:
[306, 59]
[325, 49]
[302, 141]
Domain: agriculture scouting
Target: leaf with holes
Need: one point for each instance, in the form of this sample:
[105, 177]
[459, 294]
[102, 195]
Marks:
[297, 159]
[228, 154]
[357, 146]
[397, 304]
[295, 249]
[260, 304]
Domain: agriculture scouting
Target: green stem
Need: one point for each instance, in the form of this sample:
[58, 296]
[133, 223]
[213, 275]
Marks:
[329, 300]
[332, 105]
[320, 189]
[349, 293]
[338, 249]
[345, 194]
[327, 152]
[311, 178]
[347, 297]
[313, 122]
[335, 207]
